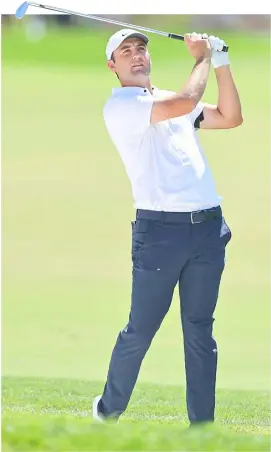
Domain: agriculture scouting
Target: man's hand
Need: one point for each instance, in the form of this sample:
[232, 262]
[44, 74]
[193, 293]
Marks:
[219, 58]
[198, 46]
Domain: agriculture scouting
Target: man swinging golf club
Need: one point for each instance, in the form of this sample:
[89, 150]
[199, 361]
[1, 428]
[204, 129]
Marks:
[180, 235]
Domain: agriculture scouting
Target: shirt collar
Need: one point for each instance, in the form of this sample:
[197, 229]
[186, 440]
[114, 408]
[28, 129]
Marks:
[134, 90]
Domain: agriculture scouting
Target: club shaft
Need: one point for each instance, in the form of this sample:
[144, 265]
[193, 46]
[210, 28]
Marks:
[111, 21]
[101, 19]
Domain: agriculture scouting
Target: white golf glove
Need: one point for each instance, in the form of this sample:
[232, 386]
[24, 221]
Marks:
[219, 58]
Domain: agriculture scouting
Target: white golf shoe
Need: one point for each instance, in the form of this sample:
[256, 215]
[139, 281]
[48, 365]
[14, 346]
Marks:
[98, 417]
[95, 413]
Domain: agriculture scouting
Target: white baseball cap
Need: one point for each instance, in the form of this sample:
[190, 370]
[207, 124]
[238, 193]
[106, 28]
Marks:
[116, 39]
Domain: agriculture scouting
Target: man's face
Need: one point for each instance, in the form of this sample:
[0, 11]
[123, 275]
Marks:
[131, 60]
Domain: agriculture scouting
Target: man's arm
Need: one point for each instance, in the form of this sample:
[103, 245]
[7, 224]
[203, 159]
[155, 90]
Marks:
[183, 103]
[228, 112]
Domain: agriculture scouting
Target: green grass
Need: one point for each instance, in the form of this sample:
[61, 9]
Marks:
[67, 207]
[56, 415]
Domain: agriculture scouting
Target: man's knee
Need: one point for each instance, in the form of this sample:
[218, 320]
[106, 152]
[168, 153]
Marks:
[198, 320]
[194, 325]
[138, 337]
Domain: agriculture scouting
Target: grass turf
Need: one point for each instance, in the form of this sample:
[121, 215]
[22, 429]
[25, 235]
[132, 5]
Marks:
[56, 415]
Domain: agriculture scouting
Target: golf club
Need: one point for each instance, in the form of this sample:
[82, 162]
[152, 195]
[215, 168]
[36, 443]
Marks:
[24, 6]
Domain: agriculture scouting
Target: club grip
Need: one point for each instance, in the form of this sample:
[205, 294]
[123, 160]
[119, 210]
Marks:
[181, 38]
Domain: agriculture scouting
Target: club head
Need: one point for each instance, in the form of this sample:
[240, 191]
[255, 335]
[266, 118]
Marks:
[21, 10]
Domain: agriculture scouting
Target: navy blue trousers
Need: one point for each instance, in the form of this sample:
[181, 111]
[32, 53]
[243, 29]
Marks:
[165, 254]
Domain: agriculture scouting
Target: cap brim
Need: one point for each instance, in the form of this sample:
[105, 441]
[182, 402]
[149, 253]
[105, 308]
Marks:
[137, 35]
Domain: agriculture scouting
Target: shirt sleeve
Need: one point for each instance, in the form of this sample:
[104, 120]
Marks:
[128, 118]
[196, 112]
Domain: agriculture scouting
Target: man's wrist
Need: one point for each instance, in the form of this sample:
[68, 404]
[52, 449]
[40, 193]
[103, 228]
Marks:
[220, 59]
[223, 68]
[203, 58]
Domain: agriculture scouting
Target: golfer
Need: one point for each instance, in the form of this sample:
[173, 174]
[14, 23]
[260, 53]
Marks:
[179, 234]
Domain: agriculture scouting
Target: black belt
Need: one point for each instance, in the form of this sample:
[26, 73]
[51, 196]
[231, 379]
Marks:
[197, 216]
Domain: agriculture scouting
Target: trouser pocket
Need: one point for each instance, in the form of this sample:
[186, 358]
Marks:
[225, 231]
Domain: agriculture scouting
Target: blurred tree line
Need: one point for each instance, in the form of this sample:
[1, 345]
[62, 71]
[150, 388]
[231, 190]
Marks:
[183, 23]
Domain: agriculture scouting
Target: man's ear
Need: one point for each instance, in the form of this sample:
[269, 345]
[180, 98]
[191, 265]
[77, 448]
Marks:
[111, 66]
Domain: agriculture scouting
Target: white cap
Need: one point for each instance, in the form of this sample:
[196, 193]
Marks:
[116, 39]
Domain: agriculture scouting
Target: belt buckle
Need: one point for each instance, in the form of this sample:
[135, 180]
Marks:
[191, 217]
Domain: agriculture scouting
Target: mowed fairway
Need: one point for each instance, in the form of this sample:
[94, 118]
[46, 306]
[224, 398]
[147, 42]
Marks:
[67, 207]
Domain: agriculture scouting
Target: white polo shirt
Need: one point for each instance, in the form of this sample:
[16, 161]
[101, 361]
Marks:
[164, 161]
